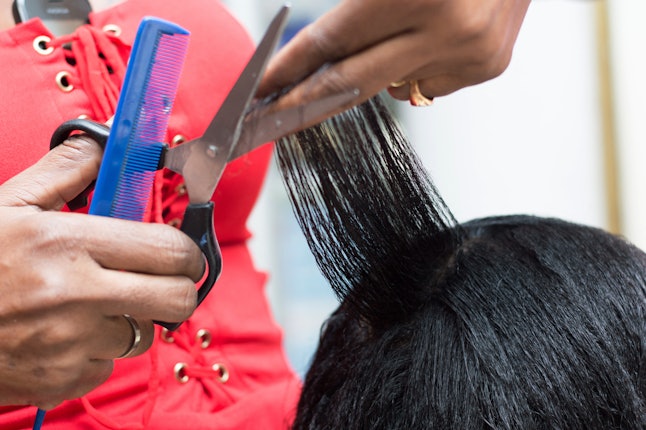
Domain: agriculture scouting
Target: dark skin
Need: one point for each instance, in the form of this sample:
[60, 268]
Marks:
[445, 45]
[68, 278]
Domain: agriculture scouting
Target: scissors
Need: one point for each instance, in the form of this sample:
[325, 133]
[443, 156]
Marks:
[234, 130]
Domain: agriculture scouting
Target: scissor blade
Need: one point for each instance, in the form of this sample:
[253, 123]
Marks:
[259, 128]
[202, 161]
[226, 124]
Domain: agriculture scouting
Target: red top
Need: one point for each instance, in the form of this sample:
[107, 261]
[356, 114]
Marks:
[231, 348]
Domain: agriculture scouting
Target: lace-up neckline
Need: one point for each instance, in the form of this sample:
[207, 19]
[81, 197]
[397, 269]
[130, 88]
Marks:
[99, 68]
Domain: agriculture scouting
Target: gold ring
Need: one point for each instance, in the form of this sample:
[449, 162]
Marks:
[416, 97]
[398, 84]
[136, 336]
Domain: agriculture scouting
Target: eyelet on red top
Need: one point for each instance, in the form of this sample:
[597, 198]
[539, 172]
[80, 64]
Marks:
[40, 45]
[166, 335]
[178, 139]
[203, 336]
[175, 222]
[180, 373]
[222, 372]
[63, 81]
[218, 372]
[112, 28]
[181, 189]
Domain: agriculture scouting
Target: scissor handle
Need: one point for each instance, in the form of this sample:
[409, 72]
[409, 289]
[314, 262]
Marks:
[97, 131]
[198, 217]
[198, 225]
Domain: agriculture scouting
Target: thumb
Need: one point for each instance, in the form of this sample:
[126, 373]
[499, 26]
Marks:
[62, 174]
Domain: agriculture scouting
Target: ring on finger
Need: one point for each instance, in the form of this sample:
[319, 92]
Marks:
[416, 98]
[398, 84]
[136, 337]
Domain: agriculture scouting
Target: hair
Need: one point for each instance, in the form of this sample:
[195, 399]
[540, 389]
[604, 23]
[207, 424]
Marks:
[505, 322]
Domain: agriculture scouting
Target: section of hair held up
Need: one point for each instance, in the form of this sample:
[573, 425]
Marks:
[369, 211]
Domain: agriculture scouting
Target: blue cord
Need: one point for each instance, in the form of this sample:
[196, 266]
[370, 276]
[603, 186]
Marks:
[40, 417]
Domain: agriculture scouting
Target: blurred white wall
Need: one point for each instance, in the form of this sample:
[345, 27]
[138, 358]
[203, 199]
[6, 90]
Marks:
[530, 141]
[628, 61]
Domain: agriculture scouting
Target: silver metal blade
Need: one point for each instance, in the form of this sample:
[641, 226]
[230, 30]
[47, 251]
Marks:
[202, 161]
[260, 128]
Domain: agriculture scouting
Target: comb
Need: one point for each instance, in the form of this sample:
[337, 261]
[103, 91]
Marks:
[133, 149]
[134, 146]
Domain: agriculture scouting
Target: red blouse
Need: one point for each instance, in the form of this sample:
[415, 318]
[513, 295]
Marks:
[224, 368]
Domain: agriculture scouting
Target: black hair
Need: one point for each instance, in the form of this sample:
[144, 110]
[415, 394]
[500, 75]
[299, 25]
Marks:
[513, 322]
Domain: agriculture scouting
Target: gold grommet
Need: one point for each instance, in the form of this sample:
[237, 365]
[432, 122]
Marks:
[40, 45]
[178, 139]
[222, 371]
[112, 28]
[166, 336]
[180, 373]
[175, 222]
[181, 189]
[63, 81]
[204, 337]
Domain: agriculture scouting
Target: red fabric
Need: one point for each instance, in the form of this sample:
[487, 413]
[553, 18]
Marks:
[143, 392]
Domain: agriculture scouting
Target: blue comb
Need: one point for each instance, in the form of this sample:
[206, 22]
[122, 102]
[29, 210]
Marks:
[134, 146]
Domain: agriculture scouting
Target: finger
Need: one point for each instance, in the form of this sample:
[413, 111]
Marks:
[132, 246]
[58, 177]
[148, 297]
[369, 71]
[118, 338]
[146, 270]
[333, 37]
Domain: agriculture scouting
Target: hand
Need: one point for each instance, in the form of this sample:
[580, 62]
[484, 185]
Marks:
[368, 44]
[67, 279]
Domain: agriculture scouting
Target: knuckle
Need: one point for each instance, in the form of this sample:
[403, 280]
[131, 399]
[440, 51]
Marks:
[58, 337]
[78, 149]
[492, 62]
[177, 251]
[52, 234]
[475, 26]
[181, 301]
[322, 42]
[337, 81]
[499, 66]
[187, 305]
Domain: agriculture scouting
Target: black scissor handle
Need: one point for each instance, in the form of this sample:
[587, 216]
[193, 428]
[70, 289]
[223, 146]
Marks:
[198, 217]
[198, 225]
[97, 131]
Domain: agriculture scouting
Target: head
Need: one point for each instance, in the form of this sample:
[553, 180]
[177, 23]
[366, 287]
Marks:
[505, 322]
